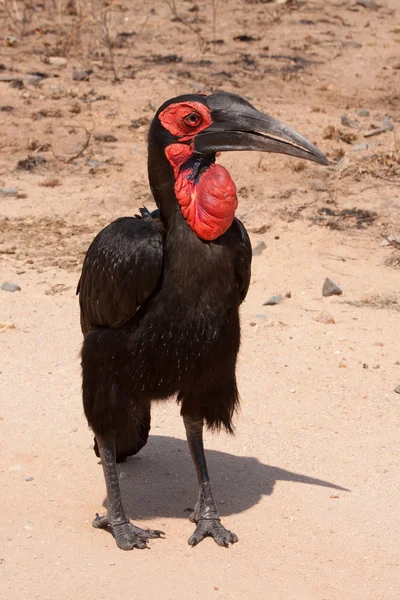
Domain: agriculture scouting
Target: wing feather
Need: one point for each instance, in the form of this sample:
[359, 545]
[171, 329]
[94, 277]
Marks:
[243, 256]
[122, 268]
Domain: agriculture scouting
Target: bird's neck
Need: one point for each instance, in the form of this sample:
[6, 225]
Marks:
[202, 191]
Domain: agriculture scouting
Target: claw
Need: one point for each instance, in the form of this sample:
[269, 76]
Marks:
[127, 535]
[212, 528]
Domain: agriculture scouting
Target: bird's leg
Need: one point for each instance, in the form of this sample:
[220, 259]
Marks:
[205, 514]
[127, 535]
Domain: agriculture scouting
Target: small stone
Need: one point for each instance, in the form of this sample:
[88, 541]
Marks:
[361, 147]
[362, 112]
[325, 318]
[92, 162]
[8, 192]
[292, 390]
[259, 248]
[29, 479]
[81, 74]
[273, 300]
[368, 4]
[387, 124]
[365, 366]
[34, 80]
[57, 61]
[397, 390]
[330, 288]
[319, 184]
[259, 228]
[347, 122]
[8, 286]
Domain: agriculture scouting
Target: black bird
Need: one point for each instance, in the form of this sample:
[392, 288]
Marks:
[160, 293]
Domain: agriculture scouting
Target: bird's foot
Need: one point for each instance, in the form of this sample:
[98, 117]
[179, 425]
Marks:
[207, 527]
[127, 535]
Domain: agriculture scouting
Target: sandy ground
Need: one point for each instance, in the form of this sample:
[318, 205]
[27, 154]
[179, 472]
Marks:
[310, 481]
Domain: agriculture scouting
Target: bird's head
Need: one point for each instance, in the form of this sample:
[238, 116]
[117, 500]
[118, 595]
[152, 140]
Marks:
[190, 130]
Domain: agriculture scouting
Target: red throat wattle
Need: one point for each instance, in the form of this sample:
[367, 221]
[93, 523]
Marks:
[208, 202]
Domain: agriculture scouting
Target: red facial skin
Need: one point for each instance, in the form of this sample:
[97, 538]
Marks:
[209, 204]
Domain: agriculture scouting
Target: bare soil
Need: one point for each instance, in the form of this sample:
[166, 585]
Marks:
[310, 482]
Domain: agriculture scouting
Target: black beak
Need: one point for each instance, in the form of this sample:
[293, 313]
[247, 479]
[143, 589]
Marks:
[237, 125]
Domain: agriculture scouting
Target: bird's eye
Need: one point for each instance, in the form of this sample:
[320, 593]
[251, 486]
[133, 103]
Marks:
[193, 119]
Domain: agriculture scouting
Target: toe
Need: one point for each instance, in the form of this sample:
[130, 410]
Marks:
[100, 522]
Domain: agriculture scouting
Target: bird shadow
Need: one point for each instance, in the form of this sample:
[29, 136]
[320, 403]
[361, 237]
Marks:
[161, 481]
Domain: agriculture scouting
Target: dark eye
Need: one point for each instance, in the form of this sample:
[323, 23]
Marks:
[193, 119]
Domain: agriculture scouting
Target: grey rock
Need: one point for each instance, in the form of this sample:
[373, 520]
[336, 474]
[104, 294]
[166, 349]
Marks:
[81, 74]
[347, 122]
[397, 390]
[387, 124]
[35, 80]
[8, 286]
[319, 184]
[259, 248]
[29, 479]
[330, 288]
[362, 147]
[273, 300]
[8, 192]
[362, 112]
[368, 4]
[92, 162]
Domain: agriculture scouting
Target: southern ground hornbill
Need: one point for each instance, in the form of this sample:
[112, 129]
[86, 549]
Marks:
[160, 295]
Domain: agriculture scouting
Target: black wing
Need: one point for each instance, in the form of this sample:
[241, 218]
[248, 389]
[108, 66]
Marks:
[239, 242]
[121, 270]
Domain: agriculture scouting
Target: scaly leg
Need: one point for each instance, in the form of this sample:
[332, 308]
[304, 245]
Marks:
[127, 535]
[205, 514]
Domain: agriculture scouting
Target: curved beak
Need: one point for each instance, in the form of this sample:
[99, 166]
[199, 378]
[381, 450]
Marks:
[237, 125]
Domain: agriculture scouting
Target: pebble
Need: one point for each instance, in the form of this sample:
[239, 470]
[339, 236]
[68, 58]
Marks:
[57, 61]
[273, 300]
[371, 4]
[330, 288]
[8, 286]
[325, 318]
[29, 479]
[362, 147]
[362, 112]
[397, 390]
[8, 192]
[92, 162]
[319, 184]
[347, 122]
[387, 125]
[81, 74]
[259, 248]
